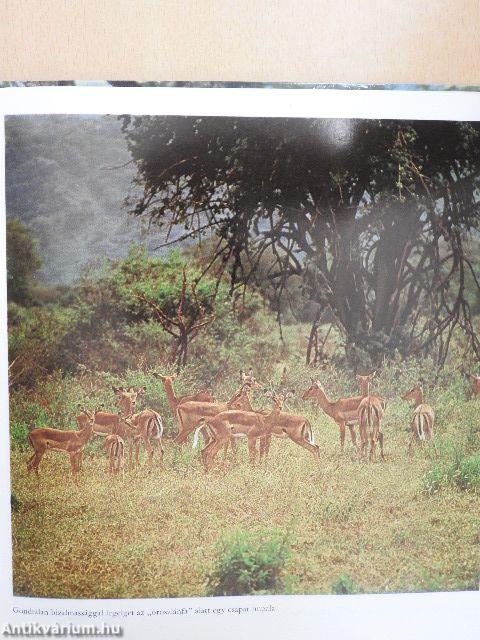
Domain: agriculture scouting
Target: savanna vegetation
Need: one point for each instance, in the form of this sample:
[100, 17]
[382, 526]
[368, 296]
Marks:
[294, 282]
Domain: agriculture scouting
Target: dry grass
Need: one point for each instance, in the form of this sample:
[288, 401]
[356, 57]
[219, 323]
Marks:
[154, 534]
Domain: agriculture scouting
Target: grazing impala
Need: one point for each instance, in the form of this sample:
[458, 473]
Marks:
[476, 383]
[423, 416]
[190, 413]
[255, 425]
[70, 442]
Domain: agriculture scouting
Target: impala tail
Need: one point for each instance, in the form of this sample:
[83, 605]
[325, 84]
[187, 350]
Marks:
[420, 426]
[308, 432]
[159, 425]
[196, 435]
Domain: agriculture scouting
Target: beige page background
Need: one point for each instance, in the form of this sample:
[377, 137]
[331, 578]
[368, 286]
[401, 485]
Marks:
[371, 41]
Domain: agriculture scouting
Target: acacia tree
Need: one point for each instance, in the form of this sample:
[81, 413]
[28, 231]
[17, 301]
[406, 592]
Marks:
[374, 216]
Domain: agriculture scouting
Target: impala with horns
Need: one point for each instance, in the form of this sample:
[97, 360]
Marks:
[423, 417]
[72, 443]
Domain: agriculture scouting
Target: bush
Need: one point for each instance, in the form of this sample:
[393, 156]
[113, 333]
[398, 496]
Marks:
[250, 563]
[468, 476]
[343, 585]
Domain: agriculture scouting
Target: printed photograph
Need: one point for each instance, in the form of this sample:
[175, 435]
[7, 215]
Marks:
[243, 355]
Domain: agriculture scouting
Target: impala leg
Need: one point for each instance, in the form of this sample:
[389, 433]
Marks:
[130, 453]
[148, 447]
[265, 445]
[410, 445]
[252, 450]
[342, 435]
[38, 458]
[380, 438]
[353, 436]
[210, 455]
[225, 449]
[30, 460]
[372, 448]
[313, 448]
[158, 444]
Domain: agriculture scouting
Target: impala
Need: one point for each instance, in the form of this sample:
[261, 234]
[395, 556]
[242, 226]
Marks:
[191, 412]
[370, 415]
[107, 423]
[147, 426]
[343, 411]
[476, 383]
[174, 401]
[423, 416]
[254, 425]
[114, 446]
[70, 442]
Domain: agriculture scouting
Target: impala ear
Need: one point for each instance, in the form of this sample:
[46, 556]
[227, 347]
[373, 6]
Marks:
[141, 391]
[290, 394]
[269, 394]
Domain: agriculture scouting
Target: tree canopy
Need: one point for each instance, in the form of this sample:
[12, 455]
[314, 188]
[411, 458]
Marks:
[375, 217]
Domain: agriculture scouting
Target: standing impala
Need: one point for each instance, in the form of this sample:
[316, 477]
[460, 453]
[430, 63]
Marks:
[255, 425]
[423, 416]
[475, 378]
[147, 425]
[70, 442]
[174, 401]
[190, 413]
[115, 449]
[343, 411]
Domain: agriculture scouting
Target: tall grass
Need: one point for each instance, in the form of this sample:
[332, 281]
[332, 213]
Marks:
[407, 524]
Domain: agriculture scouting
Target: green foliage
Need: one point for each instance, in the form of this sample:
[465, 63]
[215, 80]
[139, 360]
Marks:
[343, 585]
[250, 563]
[468, 477]
[15, 503]
[23, 260]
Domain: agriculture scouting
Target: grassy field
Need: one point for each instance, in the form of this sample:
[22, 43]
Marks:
[155, 533]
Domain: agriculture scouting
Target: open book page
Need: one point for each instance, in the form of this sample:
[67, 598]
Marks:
[243, 361]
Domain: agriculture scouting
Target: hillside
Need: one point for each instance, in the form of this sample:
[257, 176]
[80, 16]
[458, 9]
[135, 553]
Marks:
[63, 174]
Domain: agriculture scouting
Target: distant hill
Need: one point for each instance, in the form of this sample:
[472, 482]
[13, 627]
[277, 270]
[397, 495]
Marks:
[66, 177]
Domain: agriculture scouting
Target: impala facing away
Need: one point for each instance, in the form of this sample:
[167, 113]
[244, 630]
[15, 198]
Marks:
[70, 442]
[423, 416]
[255, 425]
[115, 449]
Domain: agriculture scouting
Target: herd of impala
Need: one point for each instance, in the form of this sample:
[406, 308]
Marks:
[221, 423]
